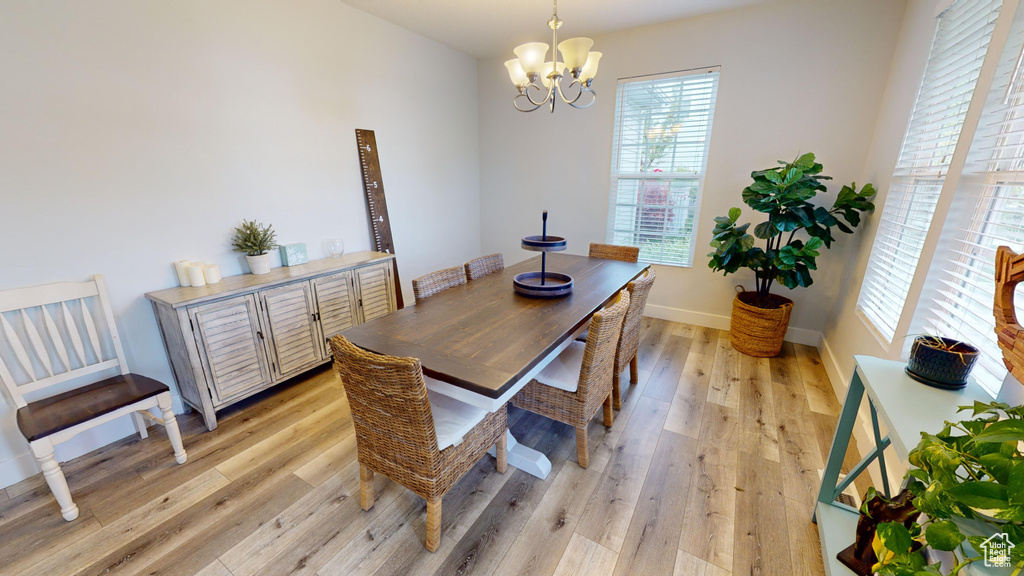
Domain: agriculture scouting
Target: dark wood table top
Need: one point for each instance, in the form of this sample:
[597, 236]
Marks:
[483, 336]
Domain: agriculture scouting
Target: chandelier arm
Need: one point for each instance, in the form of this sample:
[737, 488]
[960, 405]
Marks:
[515, 102]
[588, 104]
[536, 103]
[578, 94]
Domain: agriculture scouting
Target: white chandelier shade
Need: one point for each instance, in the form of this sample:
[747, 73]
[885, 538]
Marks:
[530, 70]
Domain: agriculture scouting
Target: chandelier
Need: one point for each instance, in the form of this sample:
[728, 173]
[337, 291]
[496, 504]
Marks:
[529, 70]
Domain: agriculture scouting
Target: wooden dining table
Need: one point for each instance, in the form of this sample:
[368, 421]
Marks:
[482, 343]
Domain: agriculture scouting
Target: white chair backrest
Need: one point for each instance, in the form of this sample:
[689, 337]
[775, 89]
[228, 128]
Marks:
[49, 335]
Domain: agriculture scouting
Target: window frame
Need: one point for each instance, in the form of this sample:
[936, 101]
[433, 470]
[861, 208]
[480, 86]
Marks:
[694, 179]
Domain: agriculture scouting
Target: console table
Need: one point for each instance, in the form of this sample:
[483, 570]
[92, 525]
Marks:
[230, 340]
[906, 408]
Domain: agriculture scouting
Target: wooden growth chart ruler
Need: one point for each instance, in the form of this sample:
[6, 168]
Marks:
[374, 186]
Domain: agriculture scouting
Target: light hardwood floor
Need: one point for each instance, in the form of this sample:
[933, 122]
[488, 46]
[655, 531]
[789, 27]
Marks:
[710, 469]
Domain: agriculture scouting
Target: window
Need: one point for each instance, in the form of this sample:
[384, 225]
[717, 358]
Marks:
[659, 154]
[958, 50]
[988, 213]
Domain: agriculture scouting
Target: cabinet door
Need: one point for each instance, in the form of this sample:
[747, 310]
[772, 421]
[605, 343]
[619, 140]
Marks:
[294, 340]
[234, 358]
[336, 305]
[376, 295]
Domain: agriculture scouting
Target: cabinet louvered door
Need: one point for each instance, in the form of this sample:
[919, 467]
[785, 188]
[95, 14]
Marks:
[336, 305]
[235, 360]
[294, 340]
[376, 298]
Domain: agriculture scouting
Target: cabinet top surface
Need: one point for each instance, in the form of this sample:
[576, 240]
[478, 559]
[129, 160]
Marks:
[232, 285]
[908, 407]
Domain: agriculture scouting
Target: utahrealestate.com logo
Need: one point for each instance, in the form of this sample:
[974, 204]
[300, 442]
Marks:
[997, 550]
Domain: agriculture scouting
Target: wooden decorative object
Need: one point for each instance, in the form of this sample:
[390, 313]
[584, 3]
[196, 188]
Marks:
[1009, 271]
[860, 556]
[543, 284]
[373, 184]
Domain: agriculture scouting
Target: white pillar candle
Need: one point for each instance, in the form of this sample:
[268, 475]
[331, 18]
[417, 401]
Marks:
[181, 268]
[195, 275]
[212, 273]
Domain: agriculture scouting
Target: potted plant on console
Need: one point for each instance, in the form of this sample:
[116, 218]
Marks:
[255, 240]
[968, 481]
[760, 318]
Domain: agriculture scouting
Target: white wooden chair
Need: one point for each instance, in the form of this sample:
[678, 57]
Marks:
[50, 337]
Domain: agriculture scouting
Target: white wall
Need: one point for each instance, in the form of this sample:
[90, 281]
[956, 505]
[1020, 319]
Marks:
[133, 134]
[846, 334]
[796, 76]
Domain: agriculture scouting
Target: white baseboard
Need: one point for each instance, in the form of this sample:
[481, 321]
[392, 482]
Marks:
[16, 469]
[797, 335]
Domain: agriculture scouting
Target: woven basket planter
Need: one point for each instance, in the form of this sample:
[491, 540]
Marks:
[757, 331]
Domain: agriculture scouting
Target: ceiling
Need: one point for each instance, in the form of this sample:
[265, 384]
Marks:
[490, 28]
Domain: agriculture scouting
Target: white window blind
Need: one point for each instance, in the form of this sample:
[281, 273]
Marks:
[991, 194]
[961, 40]
[659, 154]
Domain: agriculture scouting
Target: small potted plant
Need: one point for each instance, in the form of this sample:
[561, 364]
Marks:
[759, 317]
[968, 481]
[255, 240]
[941, 362]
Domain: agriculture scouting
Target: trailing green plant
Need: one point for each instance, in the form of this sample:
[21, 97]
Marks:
[784, 194]
[253, 238]
[973, 470]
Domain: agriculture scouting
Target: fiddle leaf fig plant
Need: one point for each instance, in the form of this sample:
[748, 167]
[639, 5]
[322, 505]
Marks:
[970, 473]
[784, 194]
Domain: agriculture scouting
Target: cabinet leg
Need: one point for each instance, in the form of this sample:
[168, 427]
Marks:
[841, 441]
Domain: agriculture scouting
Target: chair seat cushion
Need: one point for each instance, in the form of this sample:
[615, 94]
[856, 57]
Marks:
[564, 371]
[44, 417]
[453, 419]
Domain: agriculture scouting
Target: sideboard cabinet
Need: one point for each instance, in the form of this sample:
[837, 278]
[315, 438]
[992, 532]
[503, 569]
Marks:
[230, 340]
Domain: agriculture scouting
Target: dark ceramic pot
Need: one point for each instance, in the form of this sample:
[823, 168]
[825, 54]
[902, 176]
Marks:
[938, 367]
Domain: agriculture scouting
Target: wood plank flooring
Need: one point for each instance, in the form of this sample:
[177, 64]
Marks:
[710, 469]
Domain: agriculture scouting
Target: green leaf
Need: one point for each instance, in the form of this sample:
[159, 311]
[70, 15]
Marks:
[813, 244]
[1002, 431]
[980, 495]
[773, 176]
[765, 230]
[1015, 484]
[895, 537]
[998, 466]
[943, 535]
[734, 214]
[804, 162]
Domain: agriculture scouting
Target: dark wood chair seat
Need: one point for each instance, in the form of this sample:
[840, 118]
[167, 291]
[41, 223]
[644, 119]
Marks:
[44, 417]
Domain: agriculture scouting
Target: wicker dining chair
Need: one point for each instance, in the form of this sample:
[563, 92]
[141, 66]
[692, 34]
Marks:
[421, 440]
[612, 252]
[629, 342]
[430, 284]
[484, 265]
[578, 381]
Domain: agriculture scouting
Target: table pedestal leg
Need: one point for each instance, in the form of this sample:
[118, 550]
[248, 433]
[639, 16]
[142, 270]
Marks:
[525, 458]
